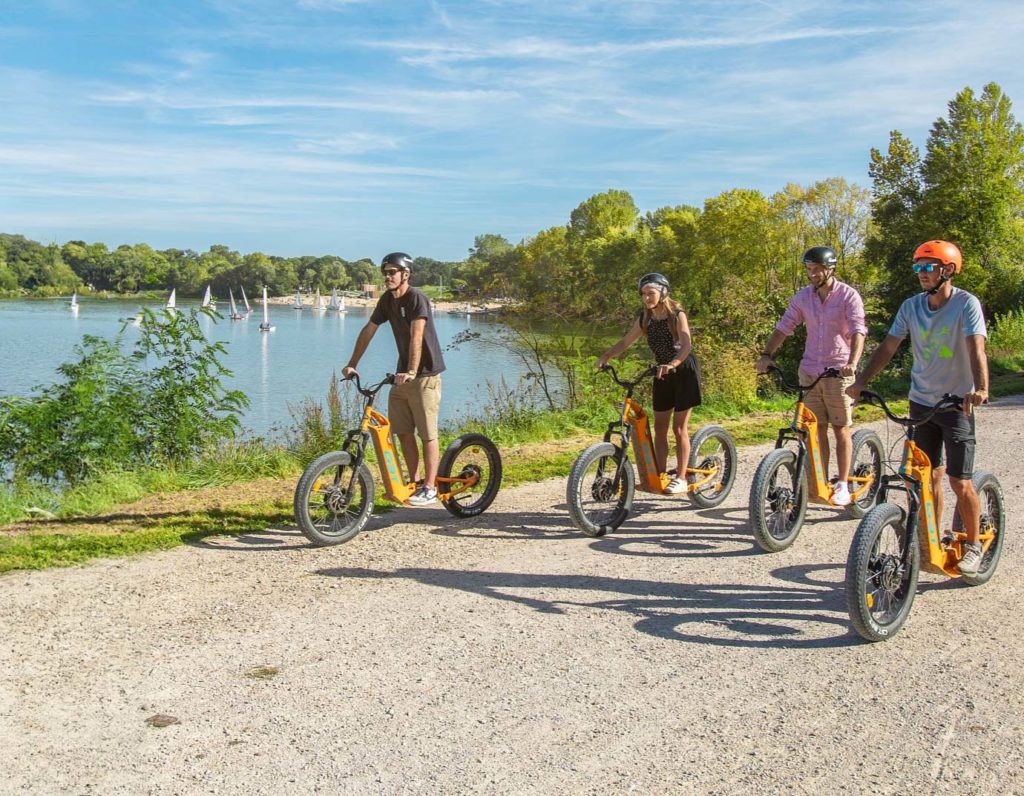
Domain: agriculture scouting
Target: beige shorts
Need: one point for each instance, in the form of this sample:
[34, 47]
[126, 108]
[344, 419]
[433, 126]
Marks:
[828, 400]
[415, 406]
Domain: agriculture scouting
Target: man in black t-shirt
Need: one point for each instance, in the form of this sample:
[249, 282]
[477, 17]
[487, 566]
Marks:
[415, 400]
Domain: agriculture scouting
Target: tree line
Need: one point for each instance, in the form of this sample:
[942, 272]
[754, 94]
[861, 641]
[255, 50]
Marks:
[28, 267]
[735, 261]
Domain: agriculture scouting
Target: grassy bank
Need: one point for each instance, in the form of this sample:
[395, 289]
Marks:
[246, 488]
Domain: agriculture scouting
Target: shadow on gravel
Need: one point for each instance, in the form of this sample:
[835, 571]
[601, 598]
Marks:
[729, 615]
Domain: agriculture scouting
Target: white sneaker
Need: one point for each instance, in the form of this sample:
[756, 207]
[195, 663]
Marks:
[970, 564]
[840, 494]
[422, 497]
[675, 487]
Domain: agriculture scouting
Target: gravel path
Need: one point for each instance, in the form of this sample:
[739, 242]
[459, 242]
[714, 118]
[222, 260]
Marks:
[510, 654]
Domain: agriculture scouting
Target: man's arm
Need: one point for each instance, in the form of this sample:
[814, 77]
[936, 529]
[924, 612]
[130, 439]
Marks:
[416, 329]
[768, 352]
[365, 336]
[882, 356]
[856, 349]
[979, 369]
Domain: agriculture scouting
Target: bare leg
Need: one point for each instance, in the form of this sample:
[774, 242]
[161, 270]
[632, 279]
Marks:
[969, 506]
[411, 453]
[681, 430]
[940, 500]
[431, 457]
[844, 451]
[823, 448]
[661, 421]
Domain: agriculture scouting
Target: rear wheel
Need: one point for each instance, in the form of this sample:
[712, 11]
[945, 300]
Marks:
[778, 501]
[332, 501]
[866, 461]
[880, 581]
[472, 457]
[993, 521]
[712, 448]
[599, 492]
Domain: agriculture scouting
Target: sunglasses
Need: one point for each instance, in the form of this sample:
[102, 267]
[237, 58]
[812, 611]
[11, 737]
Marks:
[926, 267]
[390, 272]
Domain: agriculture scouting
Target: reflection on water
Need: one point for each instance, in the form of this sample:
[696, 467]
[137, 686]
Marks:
[275, 369]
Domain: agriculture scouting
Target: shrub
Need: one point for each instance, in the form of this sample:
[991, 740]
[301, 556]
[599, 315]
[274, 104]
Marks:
[1006, 341]
[163, 403]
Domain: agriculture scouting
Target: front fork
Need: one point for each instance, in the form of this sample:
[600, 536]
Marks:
[621, 430]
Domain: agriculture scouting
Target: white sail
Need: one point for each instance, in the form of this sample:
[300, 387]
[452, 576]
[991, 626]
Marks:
[234, 309]
[341, 308]
[207, 298]
[334, 300]
[265, 326]
[298, 300]
[318, 303]
[245, 301]
[73, 304]
[170, 305]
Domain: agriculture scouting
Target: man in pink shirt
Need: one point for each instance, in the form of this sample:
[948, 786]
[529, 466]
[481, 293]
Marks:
[833, 313]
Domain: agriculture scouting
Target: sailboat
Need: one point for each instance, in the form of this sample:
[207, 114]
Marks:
[318, 302]
[234, 310]
[333, 304]
[171, 303]
[265, 326]
[208, 300]
[73, 304]
[297, 304]
[245, 301]
[341, 307]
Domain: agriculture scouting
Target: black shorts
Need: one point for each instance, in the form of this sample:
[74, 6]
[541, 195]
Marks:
[679, 390]
[950, 429]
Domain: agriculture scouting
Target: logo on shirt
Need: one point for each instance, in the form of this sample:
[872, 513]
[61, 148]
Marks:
[936, 342]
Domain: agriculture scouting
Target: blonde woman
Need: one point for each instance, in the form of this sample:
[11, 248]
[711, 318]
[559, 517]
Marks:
[677, 382]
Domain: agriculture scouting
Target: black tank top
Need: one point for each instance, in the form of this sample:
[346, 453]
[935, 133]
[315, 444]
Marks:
[660, 340]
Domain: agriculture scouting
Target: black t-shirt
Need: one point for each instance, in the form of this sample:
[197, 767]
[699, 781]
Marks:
[400, 313]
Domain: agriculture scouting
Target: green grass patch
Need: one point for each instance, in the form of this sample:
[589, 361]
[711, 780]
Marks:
[64, 549]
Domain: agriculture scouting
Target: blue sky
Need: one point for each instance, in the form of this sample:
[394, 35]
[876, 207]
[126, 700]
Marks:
[356, 127]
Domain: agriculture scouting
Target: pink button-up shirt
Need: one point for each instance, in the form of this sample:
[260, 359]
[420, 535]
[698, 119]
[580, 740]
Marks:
[831, 325]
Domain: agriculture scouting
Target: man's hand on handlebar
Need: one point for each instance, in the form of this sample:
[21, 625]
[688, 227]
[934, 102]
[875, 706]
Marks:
[764, 364]
[973, 399]
[854, 391]
[348, 372]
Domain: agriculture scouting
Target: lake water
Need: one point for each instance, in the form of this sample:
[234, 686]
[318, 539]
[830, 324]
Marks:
[275, 369]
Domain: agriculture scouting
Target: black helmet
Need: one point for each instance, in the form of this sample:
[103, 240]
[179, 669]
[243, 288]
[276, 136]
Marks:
[822, 255]
[660, 280]
[399, 259]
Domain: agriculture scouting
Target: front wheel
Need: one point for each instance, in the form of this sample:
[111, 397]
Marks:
[778, 501]
[333, 501]
[714, 450]
[865, 462]
[600, 492]
[993, 522]
[474, 464]
[881, 573]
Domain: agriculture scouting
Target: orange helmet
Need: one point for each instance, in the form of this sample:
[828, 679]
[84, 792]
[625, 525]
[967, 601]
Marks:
[942, 250]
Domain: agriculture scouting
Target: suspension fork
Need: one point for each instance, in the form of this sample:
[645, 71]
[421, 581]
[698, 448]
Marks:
[621, 429]
[799, 436]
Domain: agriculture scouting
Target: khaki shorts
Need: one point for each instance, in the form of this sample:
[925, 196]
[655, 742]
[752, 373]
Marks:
[414, 406]
[828, 400]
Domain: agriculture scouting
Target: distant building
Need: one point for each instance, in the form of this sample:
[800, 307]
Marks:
[370, 290]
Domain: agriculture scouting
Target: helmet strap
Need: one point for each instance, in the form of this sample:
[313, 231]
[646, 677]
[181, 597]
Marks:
[942, 280]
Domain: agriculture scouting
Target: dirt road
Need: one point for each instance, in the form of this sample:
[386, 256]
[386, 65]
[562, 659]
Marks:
[510, 654]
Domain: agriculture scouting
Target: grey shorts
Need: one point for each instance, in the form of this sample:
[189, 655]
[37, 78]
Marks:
[951, 430]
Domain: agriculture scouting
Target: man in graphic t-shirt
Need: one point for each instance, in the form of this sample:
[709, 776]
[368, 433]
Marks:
[947, 335]
[415, 399]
